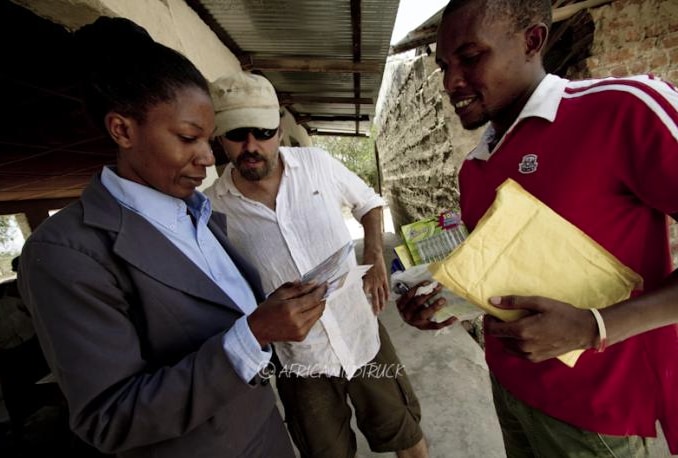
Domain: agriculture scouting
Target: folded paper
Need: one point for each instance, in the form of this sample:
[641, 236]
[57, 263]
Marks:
[522, 247]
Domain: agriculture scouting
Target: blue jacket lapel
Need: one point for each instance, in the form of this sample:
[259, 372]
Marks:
[137, 242]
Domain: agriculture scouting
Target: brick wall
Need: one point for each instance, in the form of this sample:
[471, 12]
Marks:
[422, 145]
[634, 36]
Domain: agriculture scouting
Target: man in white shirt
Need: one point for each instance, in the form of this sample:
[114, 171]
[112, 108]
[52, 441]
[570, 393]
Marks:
[284, 212]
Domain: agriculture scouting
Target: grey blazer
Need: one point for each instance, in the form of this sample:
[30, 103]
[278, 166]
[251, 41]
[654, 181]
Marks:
[132, 330]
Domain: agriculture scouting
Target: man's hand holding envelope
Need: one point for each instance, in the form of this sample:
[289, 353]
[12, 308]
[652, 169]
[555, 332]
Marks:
[546, 331]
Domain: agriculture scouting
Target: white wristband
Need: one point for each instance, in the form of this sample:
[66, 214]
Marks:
[602, 332]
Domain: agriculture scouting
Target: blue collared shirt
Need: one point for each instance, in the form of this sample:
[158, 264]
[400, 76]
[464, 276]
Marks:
[169, 215]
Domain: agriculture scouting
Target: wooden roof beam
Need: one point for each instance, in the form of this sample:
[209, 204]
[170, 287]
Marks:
[567, 11]
[356, 27]
[309, 64]
[329, 133]
[290, 99]
[311, 118]
[416, 38]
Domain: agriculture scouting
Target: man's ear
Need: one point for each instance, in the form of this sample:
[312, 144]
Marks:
[536, 37]
[119, 127]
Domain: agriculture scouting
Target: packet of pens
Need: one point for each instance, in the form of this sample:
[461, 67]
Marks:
[431, 239]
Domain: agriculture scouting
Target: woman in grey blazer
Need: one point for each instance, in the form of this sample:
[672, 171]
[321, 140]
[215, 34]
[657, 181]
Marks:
[155, 328]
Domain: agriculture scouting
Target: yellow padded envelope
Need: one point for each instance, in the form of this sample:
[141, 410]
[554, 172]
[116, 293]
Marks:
[522, 247]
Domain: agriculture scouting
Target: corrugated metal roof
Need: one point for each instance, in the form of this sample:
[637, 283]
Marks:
[48, 150]
[330, 51]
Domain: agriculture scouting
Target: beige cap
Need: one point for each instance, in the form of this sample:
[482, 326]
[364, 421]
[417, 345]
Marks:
[244, 100]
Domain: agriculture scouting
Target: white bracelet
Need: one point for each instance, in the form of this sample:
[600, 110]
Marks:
[602, 332]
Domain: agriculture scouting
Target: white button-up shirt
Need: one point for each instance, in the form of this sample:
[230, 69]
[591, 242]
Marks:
[305, 228]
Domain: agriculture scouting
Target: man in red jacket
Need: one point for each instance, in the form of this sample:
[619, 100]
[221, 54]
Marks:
[604, 155]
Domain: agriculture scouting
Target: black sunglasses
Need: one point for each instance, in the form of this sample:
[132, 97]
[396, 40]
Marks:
[240, 135]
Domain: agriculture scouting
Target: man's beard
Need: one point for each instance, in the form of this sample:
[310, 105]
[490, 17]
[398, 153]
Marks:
[251, 174]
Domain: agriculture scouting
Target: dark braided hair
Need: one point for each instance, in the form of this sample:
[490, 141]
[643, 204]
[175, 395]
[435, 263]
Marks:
[522, 13]
[126, 71]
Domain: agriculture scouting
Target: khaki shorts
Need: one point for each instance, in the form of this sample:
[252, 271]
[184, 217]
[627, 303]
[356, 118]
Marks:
[387, 411]
[530, 433]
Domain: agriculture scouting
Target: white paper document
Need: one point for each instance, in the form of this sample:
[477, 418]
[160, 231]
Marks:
[333, 271]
